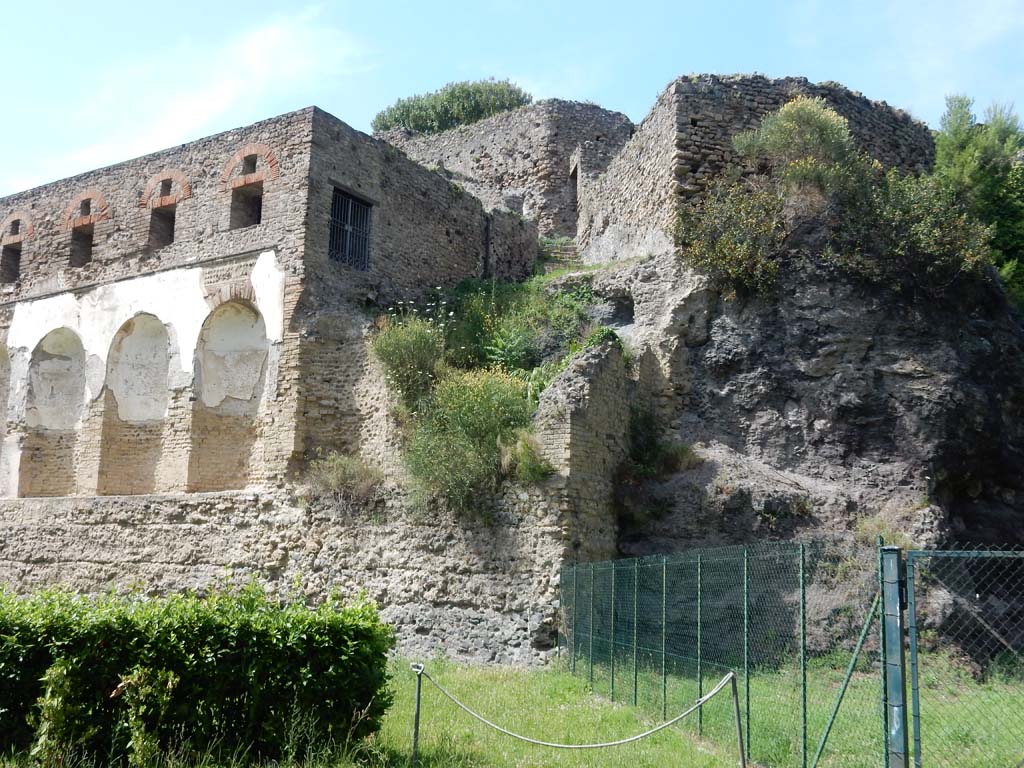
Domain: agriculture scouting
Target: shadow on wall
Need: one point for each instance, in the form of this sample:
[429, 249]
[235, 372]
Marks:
[55, 398]
[230, 370]
[134, 407]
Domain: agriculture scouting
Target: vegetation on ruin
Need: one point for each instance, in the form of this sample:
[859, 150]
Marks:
[469, 367]
[453, 105]
[342, 477]
[981, 164]
[914, 234]
[121, 679]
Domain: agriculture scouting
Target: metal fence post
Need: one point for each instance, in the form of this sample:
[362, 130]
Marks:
[895, 666]
[884, 666]
[590, 638]
[572, 634]
[803, 655]
[700, 670]
[746, 640]
[418, 670]
[636, 596]
[664, 635]
[915, 694]
[612, 644]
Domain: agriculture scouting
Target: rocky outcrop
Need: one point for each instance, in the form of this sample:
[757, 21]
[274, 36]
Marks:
[828, 406]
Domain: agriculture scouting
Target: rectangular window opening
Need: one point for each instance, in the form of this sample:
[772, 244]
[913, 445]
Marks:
[165, 188]
[248, 165]
[16, 227]
[161, 227]
[81, 245]
[350, 231]
[10, 264]
[247, 205]
[85, 208]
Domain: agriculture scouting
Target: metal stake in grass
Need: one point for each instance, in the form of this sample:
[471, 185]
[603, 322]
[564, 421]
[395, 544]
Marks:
[418, 669]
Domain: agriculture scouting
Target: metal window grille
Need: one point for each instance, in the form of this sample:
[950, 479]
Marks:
[350, 231]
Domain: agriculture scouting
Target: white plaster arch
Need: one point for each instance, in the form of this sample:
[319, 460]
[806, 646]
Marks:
[137, 368]
[178, 296]
[56, 381]
[231, 354]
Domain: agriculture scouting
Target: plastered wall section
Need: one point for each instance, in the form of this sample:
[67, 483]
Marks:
[520, 160]
[106, 440]
[208, 263]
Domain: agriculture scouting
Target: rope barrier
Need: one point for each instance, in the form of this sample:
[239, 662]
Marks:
[420, 672]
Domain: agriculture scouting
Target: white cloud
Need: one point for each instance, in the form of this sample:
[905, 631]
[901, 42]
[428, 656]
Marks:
[189, 91]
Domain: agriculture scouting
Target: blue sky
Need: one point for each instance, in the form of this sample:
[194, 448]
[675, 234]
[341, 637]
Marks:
[114, 80]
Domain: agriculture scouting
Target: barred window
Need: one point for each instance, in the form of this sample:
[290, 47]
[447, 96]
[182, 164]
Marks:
[350, 231]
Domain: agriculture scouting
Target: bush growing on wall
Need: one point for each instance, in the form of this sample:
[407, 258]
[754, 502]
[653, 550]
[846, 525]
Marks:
[910, 233]
[410, 349]
[455, 451]
[453, 105]
[114, 678]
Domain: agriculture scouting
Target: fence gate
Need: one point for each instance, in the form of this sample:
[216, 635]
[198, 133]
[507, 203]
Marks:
[965, 622]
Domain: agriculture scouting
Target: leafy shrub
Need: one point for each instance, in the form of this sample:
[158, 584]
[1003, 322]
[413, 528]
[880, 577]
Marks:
[733, 235]
[102, 677]
[341, 476]
[805, 142]
[453, 105]
[410, 349]
[455, 450]
[910, 233]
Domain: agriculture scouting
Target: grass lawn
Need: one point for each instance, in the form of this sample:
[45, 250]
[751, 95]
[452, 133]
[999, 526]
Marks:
[547, 704]
[964, 723]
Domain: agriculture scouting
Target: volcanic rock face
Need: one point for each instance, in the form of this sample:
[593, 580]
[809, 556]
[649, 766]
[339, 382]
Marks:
[829, 405]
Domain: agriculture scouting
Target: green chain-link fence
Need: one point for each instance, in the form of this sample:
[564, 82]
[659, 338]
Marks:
[786, 617]
[966, 657]
[799, 624]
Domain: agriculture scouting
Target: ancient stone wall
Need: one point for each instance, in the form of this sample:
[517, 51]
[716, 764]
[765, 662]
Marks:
[520, 160]
[425, 233]
[686, 141]
[712, 109]
[582, 423]
[482, 588]
[627, 210]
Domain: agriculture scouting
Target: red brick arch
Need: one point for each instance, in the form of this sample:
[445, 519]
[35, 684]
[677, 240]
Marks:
[184, 189]
[270, 170]
[28, 228]
[100, 209]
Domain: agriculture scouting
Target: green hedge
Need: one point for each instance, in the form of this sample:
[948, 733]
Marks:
[111, 677]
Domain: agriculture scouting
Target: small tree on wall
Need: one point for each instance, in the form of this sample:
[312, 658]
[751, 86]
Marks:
[453, 105]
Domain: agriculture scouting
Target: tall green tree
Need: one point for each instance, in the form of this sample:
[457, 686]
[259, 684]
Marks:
[980, 162]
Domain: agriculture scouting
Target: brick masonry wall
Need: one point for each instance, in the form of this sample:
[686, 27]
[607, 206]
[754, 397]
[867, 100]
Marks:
[426, 232]
[105, 454]
[520, 160]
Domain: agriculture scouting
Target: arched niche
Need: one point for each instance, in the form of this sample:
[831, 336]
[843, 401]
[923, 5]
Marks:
[135, 406]
[230, 366]
[55, 401]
